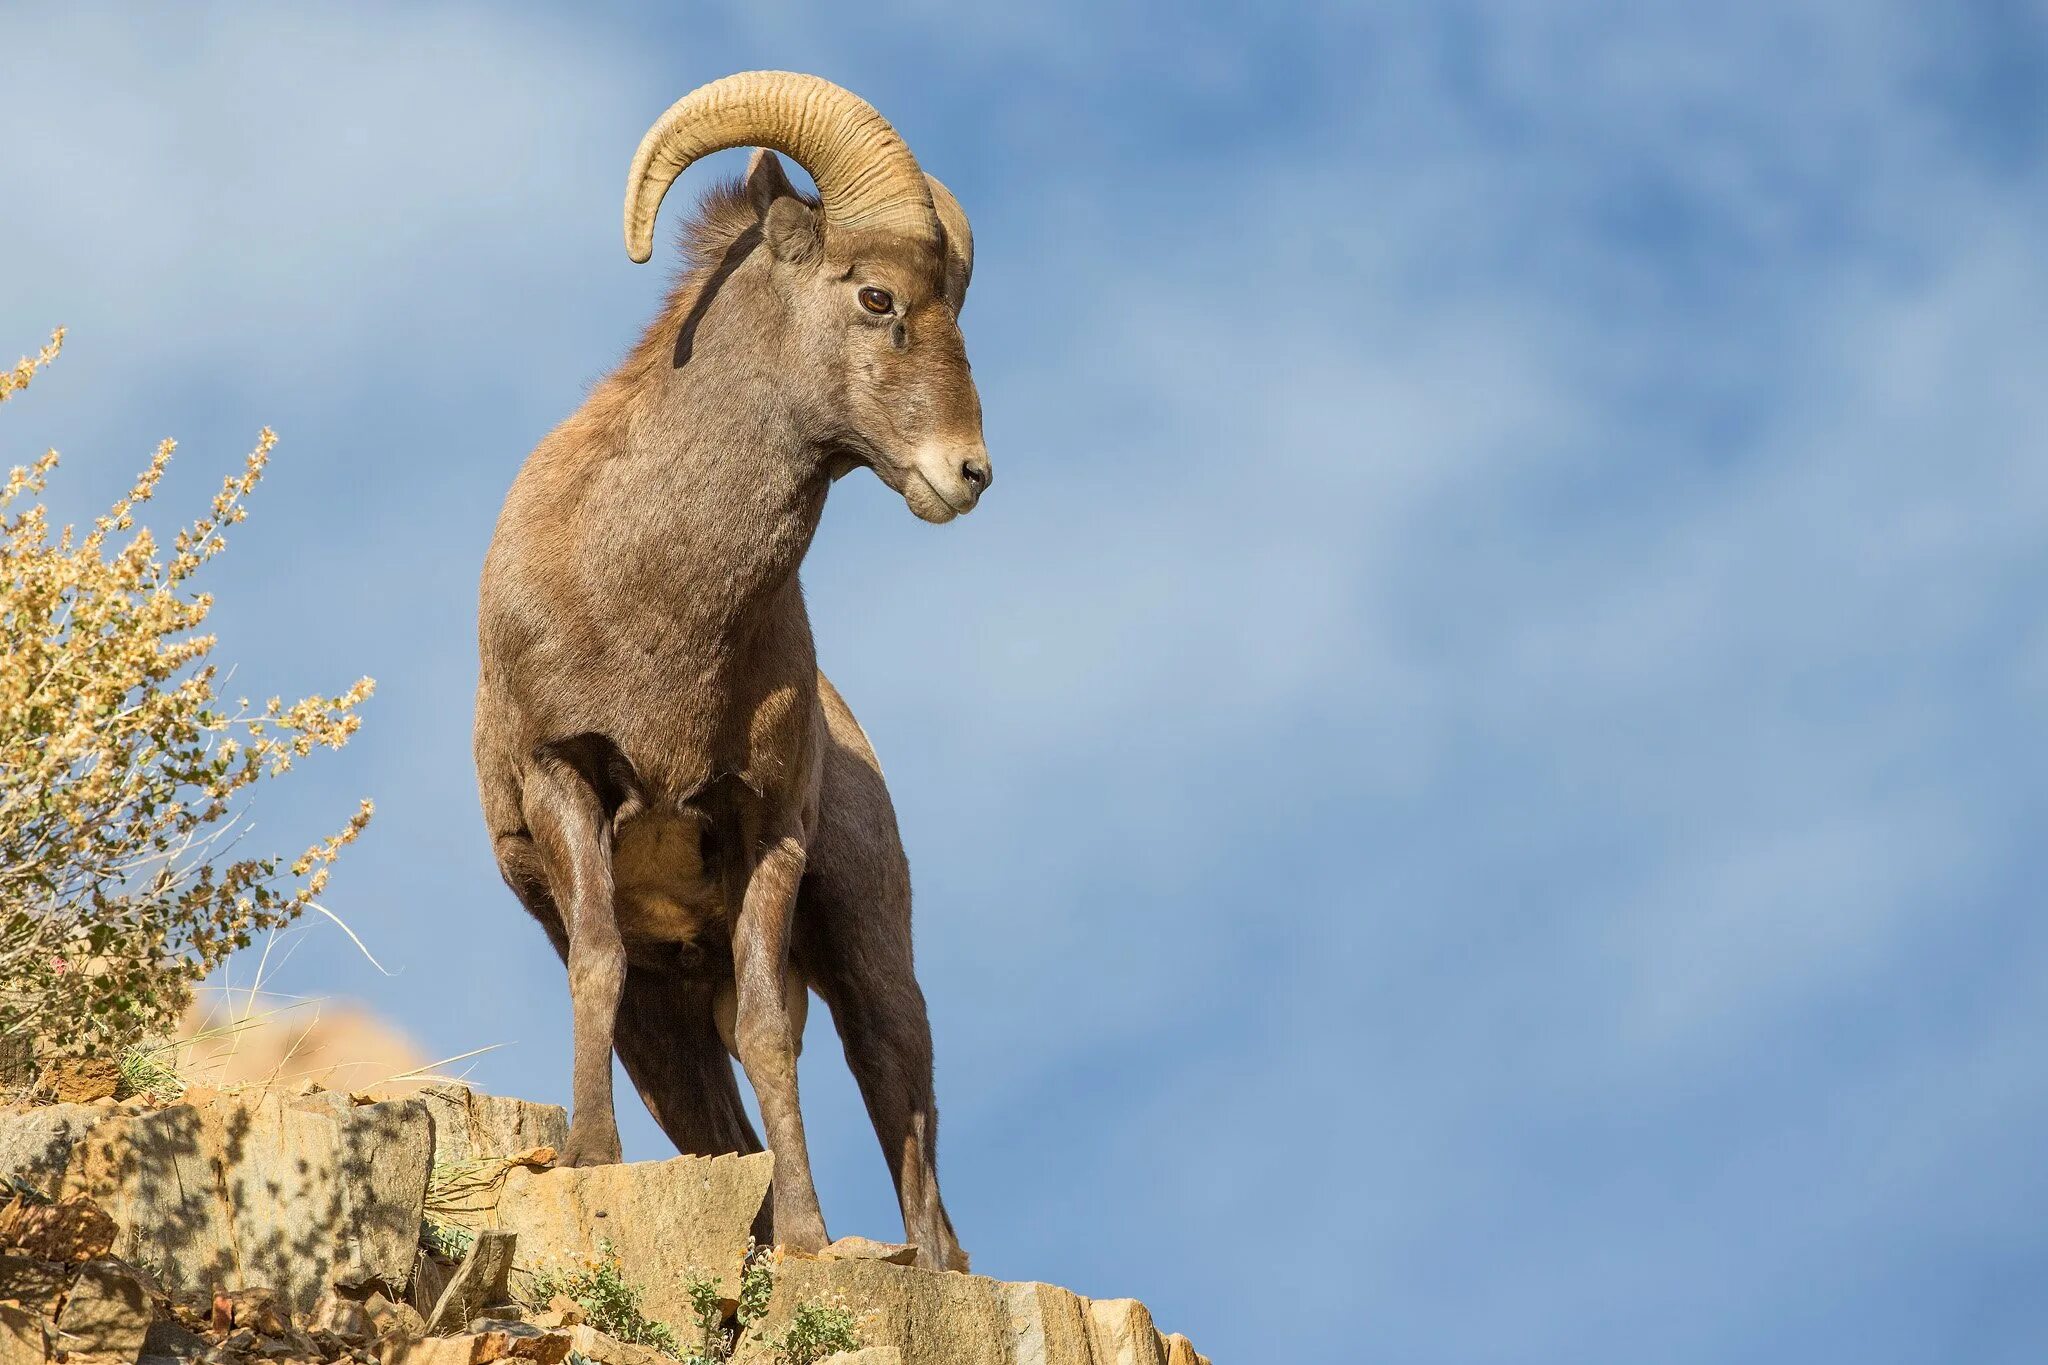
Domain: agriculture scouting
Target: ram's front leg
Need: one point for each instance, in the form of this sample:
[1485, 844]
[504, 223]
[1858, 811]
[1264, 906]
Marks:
[573, 838]
[766, 1036]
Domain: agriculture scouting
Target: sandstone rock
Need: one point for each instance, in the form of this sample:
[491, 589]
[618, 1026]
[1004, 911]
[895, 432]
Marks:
[106, 1315]
[173, 1339]
[1124, 1334]
[471, 1348]
[32, 1283]
[321, 1196]
[867, 1249]
[543, 1348]
[526, 1341]
[477, 1283]
[333, 1104]
[472, 1127]
[664, 1219]
[253, 1189]
[393, 1322]
[1050, 1325]
[21, 1336]
[332, 1347]
[73, 1229]
[929, 1318]
[938, 1318]
[500, 1341]
[562, 1311]
[256, 1307]
[35, 1144]
[592, 1344]
[429, 1281]
[340, 1317]
[81, 1080]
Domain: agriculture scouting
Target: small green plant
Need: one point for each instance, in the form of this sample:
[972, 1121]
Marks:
[449, 1241]
[815, 1330]
[757, 1286]
[708, 1306]
[707, 1303]
[608, 1299]
[612, 1304]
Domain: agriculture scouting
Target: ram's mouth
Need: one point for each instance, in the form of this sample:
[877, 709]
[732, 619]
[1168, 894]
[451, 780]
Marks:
[919, 491]
[927, 501]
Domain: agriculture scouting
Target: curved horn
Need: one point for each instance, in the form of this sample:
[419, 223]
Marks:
[867, 179]
[959, 240]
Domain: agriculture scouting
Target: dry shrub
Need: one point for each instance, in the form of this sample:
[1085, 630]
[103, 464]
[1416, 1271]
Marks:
[121, 773]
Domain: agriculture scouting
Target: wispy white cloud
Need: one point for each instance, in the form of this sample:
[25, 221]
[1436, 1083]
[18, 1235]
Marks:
[1483, 733]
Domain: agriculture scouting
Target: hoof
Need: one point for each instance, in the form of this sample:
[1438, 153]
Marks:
[802, 1240]
[575, 1160]
[589, 1152]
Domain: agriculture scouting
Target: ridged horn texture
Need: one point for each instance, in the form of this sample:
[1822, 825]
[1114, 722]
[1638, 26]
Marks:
[959, 240]
[867, 179]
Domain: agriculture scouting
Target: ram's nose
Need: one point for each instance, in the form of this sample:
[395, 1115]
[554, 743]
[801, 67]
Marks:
[958, 472]
[978, 472]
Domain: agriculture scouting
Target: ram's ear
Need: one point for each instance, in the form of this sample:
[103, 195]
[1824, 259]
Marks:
[767, 181]
[788, 224]
[959, 241]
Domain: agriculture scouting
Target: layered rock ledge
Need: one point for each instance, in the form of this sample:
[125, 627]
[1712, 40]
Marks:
[323, 1226]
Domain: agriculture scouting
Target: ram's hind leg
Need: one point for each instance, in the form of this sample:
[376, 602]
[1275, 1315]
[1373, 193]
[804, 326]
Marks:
[858, 957]
[853, 943]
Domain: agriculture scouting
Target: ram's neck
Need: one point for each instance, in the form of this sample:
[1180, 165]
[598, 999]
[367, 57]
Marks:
[708, 512]
[709, 494]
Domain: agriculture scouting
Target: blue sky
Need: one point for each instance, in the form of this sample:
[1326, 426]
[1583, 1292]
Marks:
[1472, 788]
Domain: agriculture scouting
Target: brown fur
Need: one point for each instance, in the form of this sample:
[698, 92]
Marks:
[673, 789]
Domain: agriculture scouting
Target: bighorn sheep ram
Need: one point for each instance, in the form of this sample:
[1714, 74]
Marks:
[673, 789]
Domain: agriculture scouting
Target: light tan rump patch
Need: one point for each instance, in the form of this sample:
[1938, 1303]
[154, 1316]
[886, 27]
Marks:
[663, 891]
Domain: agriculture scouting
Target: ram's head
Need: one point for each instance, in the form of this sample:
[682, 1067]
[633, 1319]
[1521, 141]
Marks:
[870, 275]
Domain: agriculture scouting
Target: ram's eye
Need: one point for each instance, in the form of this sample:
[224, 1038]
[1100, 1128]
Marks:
[876, 301]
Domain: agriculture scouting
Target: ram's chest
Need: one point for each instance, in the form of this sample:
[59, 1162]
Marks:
[663, 889]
